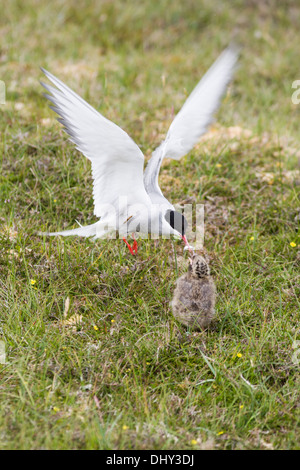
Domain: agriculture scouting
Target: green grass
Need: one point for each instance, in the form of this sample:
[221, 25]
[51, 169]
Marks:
[127, 376]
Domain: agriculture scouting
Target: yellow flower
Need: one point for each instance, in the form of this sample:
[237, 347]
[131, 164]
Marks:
[220, 433]
[293, 244]
[32, 282]
[252, 238]
[54, 200]
[194, 442]
[96, 327]
[113, 321]
[239, 355]
[56, 409]
[125, 427]
[218, 165]
[241, 407]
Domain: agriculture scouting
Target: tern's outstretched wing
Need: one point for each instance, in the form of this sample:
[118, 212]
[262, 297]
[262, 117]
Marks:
[193, 119]
[117, 162]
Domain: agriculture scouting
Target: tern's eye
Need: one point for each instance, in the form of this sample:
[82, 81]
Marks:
[177, 221]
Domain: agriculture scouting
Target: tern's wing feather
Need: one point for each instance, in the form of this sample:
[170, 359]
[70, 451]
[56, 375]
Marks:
[194, 117]
[117, 162]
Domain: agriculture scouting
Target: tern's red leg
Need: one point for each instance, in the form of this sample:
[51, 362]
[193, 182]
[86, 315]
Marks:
[132, 250]
[135, 245]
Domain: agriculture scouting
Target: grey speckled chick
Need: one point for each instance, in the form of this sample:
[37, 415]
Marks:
[194, 298]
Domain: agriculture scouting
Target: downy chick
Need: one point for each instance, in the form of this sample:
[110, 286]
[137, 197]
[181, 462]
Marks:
[194, 297]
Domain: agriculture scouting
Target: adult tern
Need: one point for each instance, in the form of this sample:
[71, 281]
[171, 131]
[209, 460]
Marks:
[127, 199]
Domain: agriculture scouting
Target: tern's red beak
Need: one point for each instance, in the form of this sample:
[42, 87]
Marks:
[190, 248]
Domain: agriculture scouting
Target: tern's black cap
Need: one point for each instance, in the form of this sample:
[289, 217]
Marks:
[177, 221]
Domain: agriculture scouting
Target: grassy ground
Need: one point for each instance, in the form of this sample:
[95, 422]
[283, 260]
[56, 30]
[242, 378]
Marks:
[94, 356]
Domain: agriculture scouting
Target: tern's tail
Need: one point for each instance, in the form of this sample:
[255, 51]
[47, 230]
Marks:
[87, 231]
